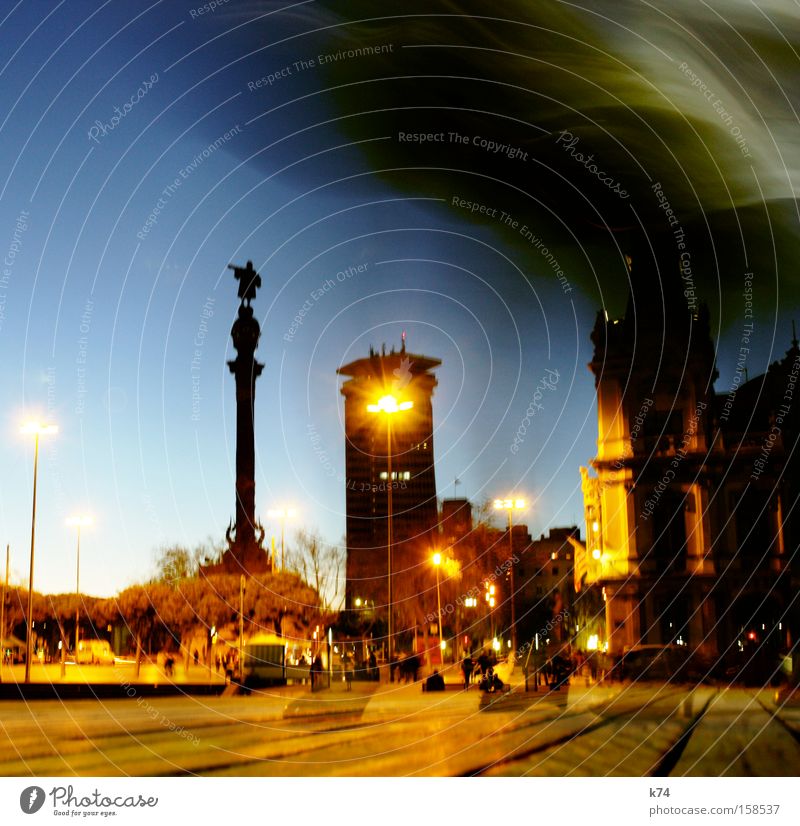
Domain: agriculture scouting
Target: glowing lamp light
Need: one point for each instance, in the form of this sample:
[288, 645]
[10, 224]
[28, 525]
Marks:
[282, 513]
[509, 504]
[358, 602]
[496, 644]
[37, 428]
[593, 643]
[443, 645]
[437, 559]
[389, 404]
[596, 553]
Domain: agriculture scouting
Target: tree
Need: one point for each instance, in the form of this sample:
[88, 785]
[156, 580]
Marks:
[176, 562]
[320, 565]
[142, 608]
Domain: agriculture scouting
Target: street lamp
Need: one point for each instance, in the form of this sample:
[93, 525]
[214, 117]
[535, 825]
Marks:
[37, 430]
[510, 505]
[241, 629]
[437, 561]
[389, 405]
[3, 618]
[78, 522]
[490, 601]
[282, 514]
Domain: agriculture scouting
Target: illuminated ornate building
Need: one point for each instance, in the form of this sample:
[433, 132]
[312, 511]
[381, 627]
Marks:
[687, 533]
[388, 447]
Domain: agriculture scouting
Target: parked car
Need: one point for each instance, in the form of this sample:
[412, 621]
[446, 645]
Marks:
[94, 652]
[673, 663]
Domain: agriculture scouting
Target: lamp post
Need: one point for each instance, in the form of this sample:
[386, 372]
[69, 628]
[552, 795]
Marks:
[241, 629]
[282, 514]
[37, 430]
[437, 561]
[389, 405]
[510, 505]
[490, 602]
[79, 522]
[3, 618]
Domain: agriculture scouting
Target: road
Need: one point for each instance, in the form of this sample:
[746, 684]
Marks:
[389, 730]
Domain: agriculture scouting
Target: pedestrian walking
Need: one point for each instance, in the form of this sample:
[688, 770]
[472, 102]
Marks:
[466, 668]
[316, 672]
[347, 667]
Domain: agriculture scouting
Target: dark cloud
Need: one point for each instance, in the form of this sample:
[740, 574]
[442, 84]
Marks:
[586, 102]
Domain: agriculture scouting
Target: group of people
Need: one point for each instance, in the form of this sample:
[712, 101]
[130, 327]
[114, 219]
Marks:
[349, 665]
[553, 671]
[483, 671]
[408, 666]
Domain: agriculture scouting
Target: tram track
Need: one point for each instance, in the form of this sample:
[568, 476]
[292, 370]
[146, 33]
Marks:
[673, 755]
[562, 755]
[419, 740]
[774, 713]
[429, 748]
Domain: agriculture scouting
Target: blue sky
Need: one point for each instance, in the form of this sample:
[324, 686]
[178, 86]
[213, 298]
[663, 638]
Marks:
[138, 164]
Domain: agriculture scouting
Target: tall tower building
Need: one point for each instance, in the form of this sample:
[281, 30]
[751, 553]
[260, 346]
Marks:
[389, 465]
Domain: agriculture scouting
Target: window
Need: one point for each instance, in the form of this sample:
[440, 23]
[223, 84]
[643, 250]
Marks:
[754, 539]
[404, 475]
[669, 533]
[674, 620]
[663, 430]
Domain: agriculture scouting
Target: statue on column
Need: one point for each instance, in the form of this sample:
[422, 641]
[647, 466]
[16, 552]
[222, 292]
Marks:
[249, 281]
[245, 553]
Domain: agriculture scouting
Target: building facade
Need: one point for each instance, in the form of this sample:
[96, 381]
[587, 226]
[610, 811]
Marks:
[687, 536]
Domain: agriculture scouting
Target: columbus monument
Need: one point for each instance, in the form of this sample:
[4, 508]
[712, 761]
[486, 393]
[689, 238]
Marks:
[245, 553]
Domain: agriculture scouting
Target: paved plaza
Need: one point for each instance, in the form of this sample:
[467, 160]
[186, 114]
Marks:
[382, 729]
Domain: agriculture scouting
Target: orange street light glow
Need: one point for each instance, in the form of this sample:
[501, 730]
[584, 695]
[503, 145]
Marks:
[509, 504]
[389, 404]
